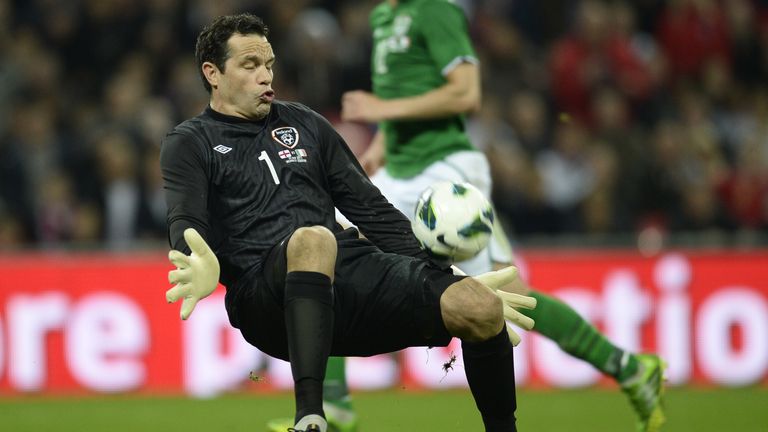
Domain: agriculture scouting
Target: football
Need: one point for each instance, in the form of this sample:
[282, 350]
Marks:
[453, 221]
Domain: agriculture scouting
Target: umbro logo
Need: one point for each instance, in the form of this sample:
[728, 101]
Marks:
[222, 149]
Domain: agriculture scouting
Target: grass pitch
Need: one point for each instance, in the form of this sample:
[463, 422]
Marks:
[592, 410]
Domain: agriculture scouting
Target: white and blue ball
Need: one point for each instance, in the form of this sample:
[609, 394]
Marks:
[453, 221]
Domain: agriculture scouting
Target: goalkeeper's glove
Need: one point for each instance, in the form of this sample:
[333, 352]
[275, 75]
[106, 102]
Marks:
[196, 275]
[494, 280]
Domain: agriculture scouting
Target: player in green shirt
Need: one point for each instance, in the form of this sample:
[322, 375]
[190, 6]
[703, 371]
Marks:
[425, 79]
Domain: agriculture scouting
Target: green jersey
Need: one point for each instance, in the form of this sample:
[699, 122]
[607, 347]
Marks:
[417, 43]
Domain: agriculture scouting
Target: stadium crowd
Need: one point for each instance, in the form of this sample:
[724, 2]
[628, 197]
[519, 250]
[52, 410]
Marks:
[599, 116]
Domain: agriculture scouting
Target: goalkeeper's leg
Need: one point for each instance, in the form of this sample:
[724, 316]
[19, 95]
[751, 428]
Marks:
[337, 402]
[309, 315]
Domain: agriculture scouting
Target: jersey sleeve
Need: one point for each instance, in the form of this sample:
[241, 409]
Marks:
[361, 202]
[185, 176]
[446, 34]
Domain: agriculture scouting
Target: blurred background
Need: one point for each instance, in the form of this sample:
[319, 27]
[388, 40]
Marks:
[629, 149]
[603, 119]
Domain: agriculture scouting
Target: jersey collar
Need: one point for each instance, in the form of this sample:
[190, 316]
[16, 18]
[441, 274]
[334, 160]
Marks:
[232, 119]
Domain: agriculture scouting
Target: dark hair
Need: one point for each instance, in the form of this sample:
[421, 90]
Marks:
[211, 43]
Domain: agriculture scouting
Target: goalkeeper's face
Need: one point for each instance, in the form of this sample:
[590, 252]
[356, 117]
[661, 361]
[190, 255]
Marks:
[244, 87]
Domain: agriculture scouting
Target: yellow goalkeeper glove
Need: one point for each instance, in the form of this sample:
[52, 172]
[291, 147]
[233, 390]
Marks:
[196, 275]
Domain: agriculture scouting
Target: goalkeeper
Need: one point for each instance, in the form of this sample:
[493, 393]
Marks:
[251, 185]
[425, 78]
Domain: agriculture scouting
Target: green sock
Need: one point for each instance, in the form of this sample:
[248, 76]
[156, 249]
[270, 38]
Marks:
[335, 388]
[559, 322]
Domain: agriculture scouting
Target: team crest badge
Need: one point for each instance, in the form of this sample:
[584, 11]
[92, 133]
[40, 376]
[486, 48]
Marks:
[287, 136]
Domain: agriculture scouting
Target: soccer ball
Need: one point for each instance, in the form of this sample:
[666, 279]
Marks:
[453, 221]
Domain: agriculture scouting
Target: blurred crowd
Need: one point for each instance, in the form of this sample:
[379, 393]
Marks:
[600, 117]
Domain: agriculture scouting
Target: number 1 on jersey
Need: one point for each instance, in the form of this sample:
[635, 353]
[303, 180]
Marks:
[264, 157]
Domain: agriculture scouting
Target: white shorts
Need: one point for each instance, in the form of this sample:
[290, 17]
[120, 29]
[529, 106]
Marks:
[466, 166]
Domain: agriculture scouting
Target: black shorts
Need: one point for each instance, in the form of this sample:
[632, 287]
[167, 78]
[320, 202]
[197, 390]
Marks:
[383, 302]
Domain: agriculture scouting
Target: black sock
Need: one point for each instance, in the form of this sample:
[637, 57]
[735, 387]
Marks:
[309, 323]
[490, 372]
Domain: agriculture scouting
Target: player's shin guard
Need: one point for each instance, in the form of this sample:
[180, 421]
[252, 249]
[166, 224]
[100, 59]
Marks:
[490, 372]
[309, 323]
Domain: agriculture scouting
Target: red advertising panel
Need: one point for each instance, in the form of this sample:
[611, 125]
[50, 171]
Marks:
[100, 323]
[706, 313]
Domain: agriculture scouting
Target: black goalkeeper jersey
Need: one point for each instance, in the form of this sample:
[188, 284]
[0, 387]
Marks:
[246, 185]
